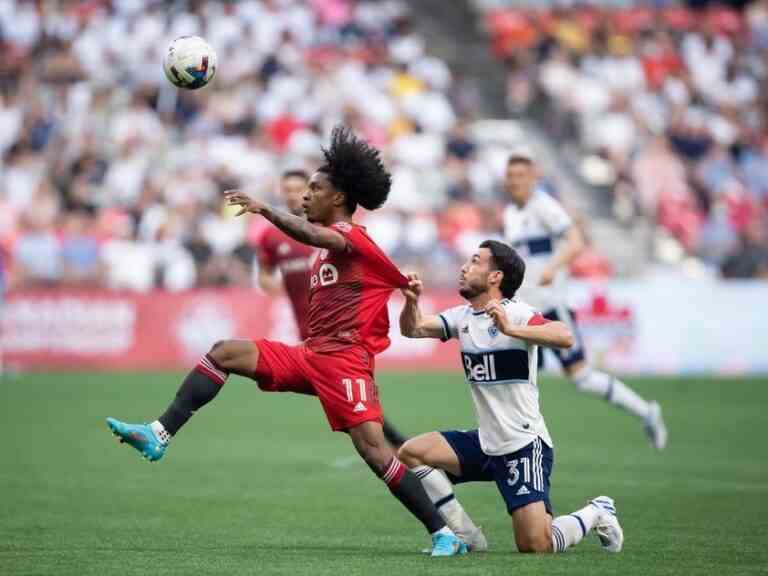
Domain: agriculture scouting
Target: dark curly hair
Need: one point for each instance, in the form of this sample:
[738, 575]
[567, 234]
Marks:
[355, 168]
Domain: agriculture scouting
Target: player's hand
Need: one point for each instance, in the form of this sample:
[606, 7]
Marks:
[246, 203]
[415, 287]
[496, 311]
[547, 276]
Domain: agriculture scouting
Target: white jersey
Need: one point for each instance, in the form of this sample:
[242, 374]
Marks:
[501, 372]
[535, 231]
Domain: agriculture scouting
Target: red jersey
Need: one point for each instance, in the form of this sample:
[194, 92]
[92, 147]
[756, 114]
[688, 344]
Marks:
[348, 294]
[292, 258]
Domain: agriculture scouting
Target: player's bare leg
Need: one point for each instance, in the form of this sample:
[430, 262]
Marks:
[200, 386]
[427, 456]
[533, 528]
[369, 441]
[588, 379]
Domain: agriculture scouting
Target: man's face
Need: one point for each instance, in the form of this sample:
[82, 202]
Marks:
[519, 181]
[473, 279]
[319, 199]
[292, 190]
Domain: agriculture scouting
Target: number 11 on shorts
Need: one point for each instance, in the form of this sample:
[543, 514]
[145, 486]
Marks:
[351, 386]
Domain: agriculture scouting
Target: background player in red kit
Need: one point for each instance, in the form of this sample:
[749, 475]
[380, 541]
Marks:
[279, 252]
[348, 325]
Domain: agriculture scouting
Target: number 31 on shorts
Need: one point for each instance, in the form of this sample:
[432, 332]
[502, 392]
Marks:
[514, 470]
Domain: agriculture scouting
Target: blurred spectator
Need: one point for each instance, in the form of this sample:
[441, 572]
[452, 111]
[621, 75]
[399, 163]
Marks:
[112, 177]
[663, 103]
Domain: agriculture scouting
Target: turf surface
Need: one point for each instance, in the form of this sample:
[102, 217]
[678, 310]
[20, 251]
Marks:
[256, 484]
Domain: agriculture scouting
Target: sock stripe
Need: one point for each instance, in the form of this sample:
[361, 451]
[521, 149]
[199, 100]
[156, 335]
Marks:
[422, 471]
[445, 500]
[208, 362]
[581, 523]
[394, 473]
[208, 368]
[559, 539]
[213, 375]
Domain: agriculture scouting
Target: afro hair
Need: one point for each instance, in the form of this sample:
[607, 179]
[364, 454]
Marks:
[355, 168]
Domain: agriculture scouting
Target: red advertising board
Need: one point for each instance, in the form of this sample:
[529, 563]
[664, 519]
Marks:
[156, 331]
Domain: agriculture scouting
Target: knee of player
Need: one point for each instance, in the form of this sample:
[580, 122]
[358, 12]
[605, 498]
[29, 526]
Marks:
[409, 454]
[533, 543]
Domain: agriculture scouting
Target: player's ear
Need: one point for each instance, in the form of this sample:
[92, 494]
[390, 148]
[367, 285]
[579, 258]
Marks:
[339, 198]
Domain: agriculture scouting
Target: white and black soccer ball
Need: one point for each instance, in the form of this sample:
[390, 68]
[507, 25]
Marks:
[189, 62]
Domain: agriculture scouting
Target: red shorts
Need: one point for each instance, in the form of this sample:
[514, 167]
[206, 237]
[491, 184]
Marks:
[343, 381]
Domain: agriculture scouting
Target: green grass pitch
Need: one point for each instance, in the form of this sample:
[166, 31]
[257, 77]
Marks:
[257, 484]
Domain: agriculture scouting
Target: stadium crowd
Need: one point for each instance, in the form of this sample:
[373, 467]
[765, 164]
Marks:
[112, 177]
[663, 105]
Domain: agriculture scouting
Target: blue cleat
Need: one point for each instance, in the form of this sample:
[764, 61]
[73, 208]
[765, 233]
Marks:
[447, 545]
[140, 436]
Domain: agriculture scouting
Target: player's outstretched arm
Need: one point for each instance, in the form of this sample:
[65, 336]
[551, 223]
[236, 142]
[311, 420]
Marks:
[546, 333]
[296, 227]
[413, 324]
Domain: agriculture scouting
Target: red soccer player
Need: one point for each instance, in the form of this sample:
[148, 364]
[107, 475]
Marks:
[278, 251]
[350, 285]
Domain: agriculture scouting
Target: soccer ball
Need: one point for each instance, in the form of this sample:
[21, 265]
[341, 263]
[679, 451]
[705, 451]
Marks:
[189, 62]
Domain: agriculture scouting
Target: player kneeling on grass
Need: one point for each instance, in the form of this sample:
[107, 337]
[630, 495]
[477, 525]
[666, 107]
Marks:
[349, 286]
[499, 337]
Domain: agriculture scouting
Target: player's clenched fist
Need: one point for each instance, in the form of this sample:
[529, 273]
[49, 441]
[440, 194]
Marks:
[496, 311]
[246, 203]
[415, 287]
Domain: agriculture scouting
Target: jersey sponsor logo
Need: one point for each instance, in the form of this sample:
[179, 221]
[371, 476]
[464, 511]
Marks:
[482, 371]
[465, 329]
[326, 275]
[523, 491]
[496, 366]
[359, 407]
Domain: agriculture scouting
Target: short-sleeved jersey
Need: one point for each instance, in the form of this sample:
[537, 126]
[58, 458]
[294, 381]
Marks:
[535, 231]
[348, 294]
[501, 372]
[278, 250]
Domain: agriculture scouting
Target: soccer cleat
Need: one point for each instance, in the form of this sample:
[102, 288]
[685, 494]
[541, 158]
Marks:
[447, 545]
[655, 428]
[607, 527]
[140, 436]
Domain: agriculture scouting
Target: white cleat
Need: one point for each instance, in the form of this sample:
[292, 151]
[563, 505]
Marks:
[655, 428]
[607, 527]
[476, 540]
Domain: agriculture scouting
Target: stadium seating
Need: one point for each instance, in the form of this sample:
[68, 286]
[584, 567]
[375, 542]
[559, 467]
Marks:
[659, 103]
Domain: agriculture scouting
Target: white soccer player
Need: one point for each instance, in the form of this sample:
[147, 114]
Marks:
[499, 337]
[538, 227]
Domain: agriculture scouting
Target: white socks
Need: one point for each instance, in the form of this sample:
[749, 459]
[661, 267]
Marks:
[160, 432]
[613, 389]
[440, 491]
[568, 530]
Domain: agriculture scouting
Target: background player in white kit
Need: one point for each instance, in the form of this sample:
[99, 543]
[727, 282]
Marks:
[499, 338]
[538, 227]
